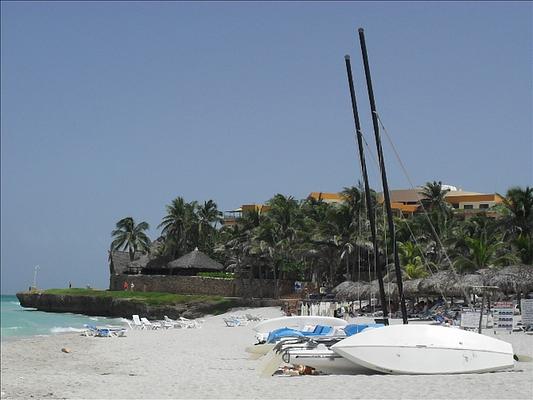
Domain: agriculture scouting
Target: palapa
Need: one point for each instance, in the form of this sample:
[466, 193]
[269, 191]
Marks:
[511, 279]
[438, 283]
[351, 291]
[195, 260]
[119, 261]
[410, 287]
[464, 285]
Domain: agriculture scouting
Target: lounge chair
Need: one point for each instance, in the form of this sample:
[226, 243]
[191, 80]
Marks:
[137, 324]
[174, 323]
[241, 319]
[150, 325]
[104, 331]
[251, 317]
[189, 323]
[231, 322]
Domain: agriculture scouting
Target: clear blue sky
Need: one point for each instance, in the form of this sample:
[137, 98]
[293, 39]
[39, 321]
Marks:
[113, 109]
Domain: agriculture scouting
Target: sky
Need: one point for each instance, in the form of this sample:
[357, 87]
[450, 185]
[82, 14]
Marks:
[111, 110]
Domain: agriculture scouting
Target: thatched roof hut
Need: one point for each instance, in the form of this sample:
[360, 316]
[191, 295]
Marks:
[119, 261]
[193, 262]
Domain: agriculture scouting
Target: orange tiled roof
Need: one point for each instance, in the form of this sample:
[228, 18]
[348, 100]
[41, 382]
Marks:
[326, 196]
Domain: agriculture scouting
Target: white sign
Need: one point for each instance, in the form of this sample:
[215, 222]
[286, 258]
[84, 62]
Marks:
[527, 311]
[503, 315]
[470, 320]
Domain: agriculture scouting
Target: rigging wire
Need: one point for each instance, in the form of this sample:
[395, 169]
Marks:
[424, 258]
[452, 267]
[359, 257]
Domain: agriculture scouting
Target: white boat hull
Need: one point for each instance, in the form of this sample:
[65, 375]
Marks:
[425, 349]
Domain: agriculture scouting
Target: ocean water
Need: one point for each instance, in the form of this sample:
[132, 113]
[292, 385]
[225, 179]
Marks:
[18, 322]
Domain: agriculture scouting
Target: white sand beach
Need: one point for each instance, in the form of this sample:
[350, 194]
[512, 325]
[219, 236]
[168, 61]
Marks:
[211, 363]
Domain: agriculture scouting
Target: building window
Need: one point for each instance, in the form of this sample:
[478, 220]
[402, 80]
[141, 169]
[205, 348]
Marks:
[468, 206]
[484, 206]
[455, 205]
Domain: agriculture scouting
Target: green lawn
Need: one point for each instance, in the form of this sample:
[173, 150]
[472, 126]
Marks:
[152, 298]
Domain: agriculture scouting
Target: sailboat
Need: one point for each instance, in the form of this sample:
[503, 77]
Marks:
[417, 349]
[398, 349]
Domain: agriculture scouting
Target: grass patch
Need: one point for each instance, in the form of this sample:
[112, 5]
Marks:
[223, 275]
[152, 298]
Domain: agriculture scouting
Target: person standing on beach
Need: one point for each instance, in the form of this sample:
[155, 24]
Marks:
[125, 286]
[132, 285]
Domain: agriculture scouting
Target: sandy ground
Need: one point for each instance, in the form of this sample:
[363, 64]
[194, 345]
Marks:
[210, 363]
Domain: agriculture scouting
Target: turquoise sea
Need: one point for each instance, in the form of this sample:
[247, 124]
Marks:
[18, 322]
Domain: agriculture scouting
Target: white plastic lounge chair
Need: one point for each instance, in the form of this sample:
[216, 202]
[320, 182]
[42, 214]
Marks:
[173, 322]
[150, 325]
[241, 319]
[165, 324]
[251, 317]
[231, 322]
[189, 323]
[137, 324]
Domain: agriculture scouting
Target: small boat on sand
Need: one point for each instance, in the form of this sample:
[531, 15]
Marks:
[425, 349]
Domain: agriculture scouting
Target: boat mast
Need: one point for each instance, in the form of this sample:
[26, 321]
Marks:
[369, 205]
[383, 175]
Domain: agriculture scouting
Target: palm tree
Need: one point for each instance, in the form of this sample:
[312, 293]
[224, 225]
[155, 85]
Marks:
[277, 233]
[208, 218]
[411, 257]
[484, 251]
[208, 214]
[433, 197]
[524, 248]
[519, 206]
[438, 221]
[179, 227]
[130, 236]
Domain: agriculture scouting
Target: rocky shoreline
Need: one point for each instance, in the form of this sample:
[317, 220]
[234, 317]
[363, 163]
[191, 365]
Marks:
[116, 308]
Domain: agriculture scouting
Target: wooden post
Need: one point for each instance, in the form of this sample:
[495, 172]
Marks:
[481, 311]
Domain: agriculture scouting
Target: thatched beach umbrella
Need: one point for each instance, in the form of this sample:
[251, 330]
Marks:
[340, 289]
[391, 290]
[410, 287]
[511, 279]
[463, 286]
[438, 283]
[351, 291]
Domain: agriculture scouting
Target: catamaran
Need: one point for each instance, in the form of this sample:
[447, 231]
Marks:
[271, 331]
[398, 349]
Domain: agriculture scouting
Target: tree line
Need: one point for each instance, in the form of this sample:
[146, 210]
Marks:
[329, 243]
